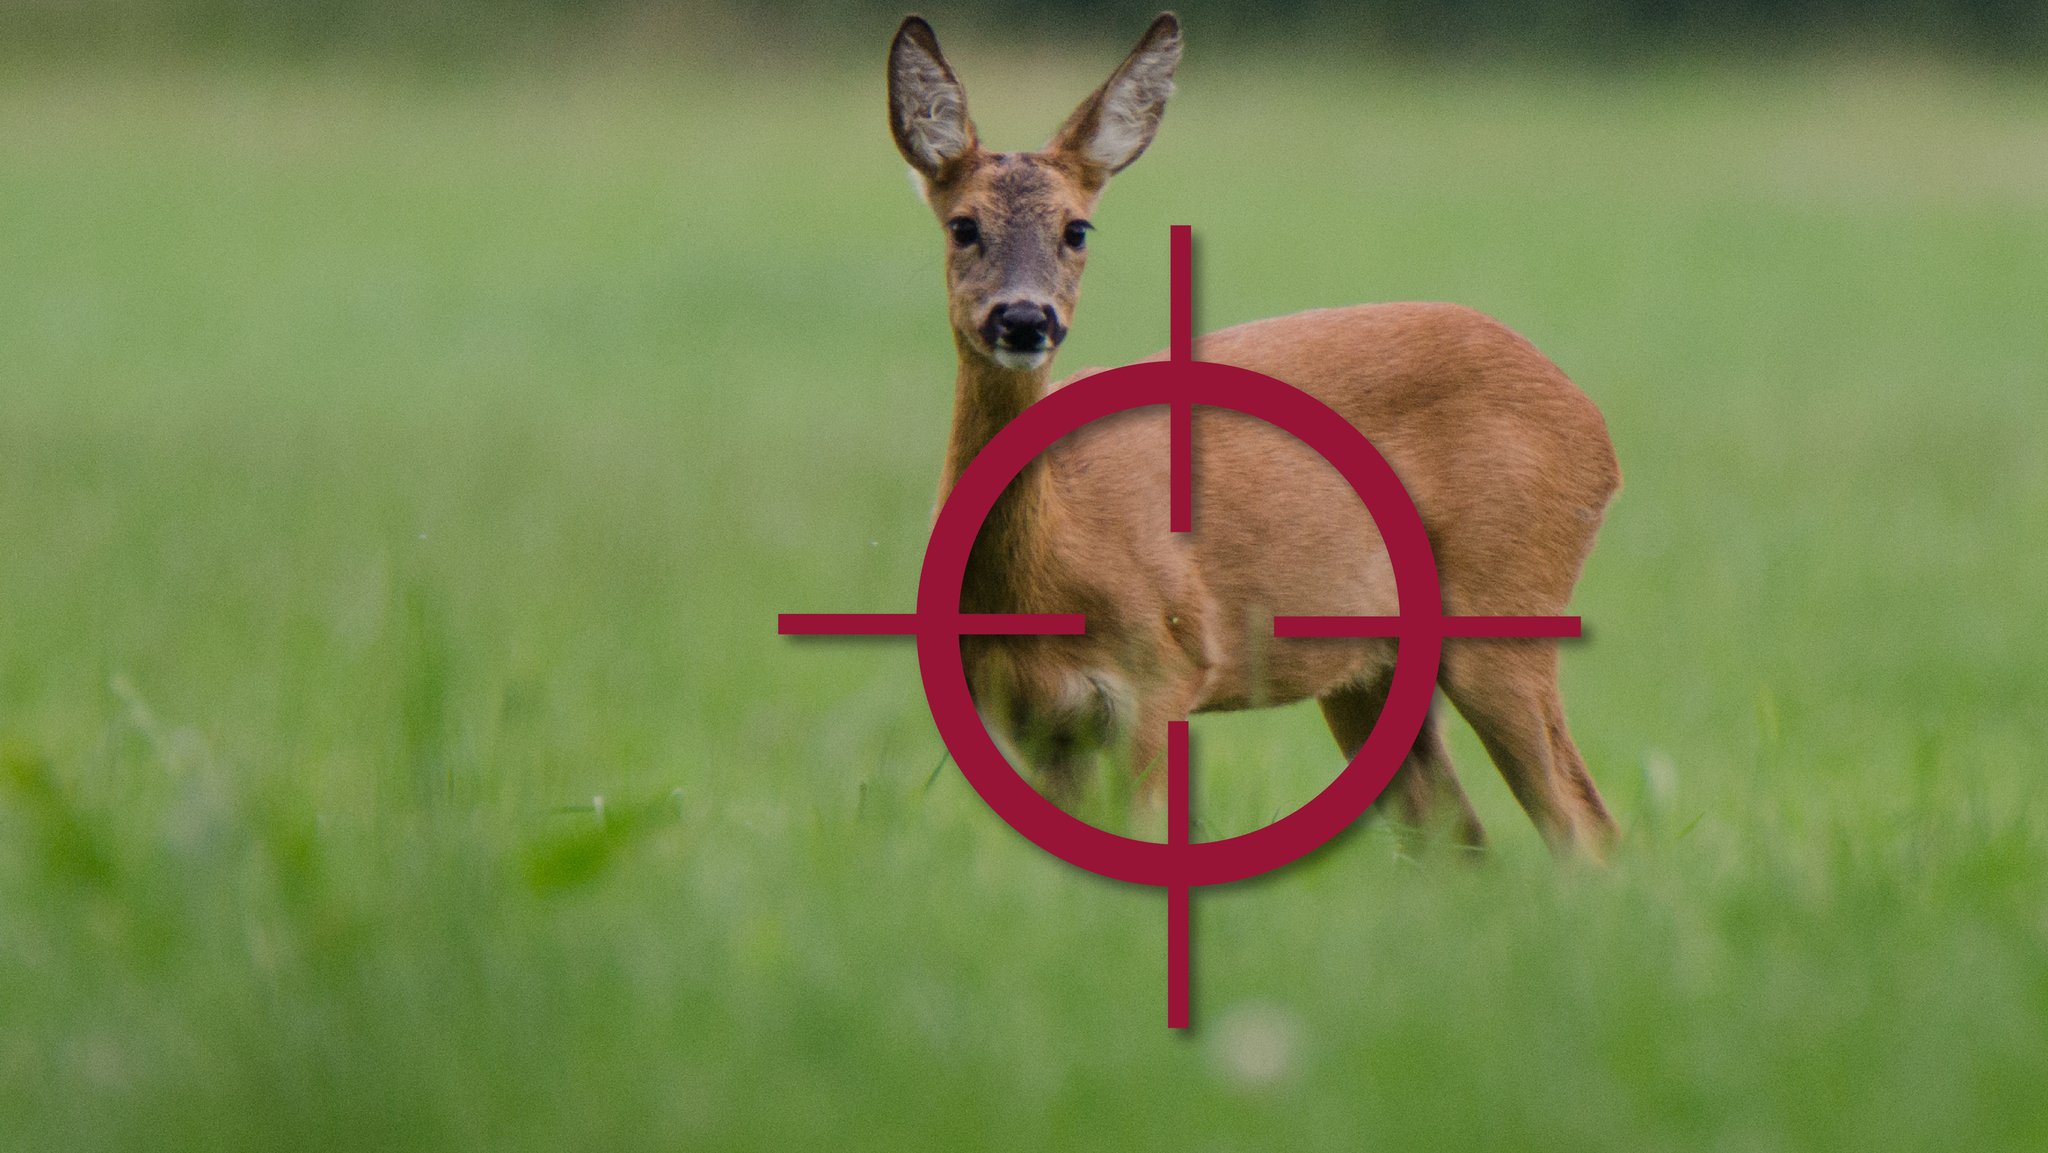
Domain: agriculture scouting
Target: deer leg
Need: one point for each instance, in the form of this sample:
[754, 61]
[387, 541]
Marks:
[1425, 789]
[1147, 746]
[1507, 690]
[1062, 772]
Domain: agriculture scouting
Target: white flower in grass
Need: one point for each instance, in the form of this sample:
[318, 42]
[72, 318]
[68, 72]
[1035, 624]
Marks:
[1256, 1045]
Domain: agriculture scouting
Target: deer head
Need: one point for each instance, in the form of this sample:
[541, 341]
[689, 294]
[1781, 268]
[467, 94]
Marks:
[1016, 223]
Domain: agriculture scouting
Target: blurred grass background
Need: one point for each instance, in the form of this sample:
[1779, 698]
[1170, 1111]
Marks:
[403, 455]
[1608, 31]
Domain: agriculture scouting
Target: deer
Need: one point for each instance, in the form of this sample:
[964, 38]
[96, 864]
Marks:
[1509, 464]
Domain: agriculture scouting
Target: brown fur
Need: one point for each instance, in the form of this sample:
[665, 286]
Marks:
[1508, 462]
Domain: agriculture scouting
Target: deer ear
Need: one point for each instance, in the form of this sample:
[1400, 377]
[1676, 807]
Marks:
[1112, 127]
[927, 106]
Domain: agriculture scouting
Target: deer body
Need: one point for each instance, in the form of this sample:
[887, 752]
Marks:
[1509, 464]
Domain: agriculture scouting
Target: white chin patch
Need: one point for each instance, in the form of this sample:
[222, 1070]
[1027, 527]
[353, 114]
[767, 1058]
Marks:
[1012, 359]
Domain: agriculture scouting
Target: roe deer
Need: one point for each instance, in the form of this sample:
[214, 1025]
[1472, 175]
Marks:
[1508, 463]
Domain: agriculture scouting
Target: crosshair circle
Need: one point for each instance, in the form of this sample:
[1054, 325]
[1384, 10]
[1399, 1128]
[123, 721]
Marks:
[1180, 384]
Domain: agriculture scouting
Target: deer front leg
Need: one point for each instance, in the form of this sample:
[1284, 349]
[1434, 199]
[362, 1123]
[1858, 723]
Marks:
[1147, 762]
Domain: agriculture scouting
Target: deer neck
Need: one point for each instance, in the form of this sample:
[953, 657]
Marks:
[1012, 567]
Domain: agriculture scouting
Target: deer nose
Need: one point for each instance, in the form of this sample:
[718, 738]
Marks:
[1023, 325]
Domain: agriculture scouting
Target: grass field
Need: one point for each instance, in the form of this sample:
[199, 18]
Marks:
[399, 479]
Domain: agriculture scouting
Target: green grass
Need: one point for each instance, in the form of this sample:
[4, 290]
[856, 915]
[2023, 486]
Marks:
[399, 479]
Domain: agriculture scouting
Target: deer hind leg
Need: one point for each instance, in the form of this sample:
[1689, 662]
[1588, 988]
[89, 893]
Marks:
[1425, 789]
[1507, 691]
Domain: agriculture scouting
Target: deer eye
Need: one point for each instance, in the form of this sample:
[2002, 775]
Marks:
[965, 231]
[1077, 235]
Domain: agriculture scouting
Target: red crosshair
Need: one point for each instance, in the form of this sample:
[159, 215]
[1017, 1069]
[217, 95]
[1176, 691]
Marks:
[1179, 383]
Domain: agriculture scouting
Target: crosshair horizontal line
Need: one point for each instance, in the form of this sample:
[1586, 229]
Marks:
[1075, 624]
[912, 624]
[1450, 626]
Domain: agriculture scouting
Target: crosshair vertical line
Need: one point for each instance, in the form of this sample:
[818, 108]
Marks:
[1178, 900]
[1180, 310]
[1182, 477]
[1181, 293]
[1181, 347]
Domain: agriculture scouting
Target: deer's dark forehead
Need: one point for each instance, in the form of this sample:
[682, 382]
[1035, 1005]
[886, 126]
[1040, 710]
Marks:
[1020, 182]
